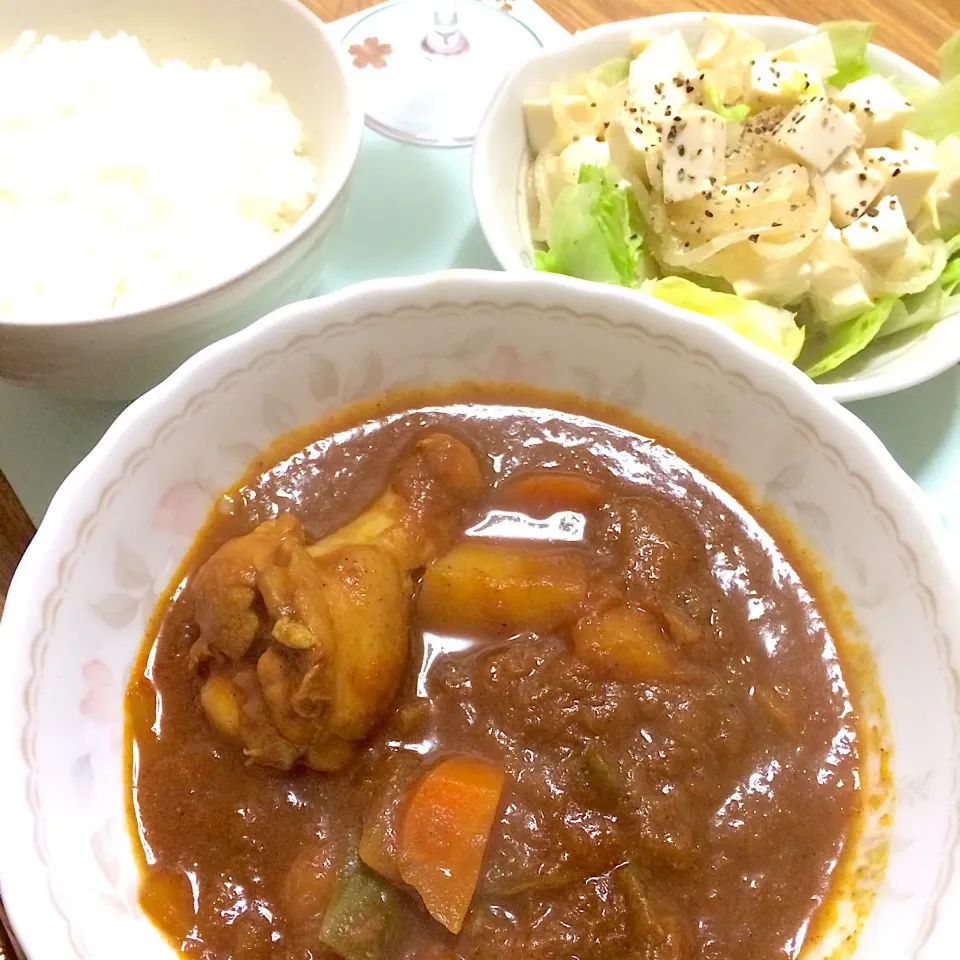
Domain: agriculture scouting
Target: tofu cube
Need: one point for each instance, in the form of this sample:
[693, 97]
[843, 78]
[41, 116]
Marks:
[815, 52]
[583, 152]
[946, 187]
[909, 141]
[771, 83]
[541, 121]
[853, 186]
[915, 259]
[880, 235]
[694, 154]
[907, 174]
[836, 291]
[663, 78]
[878, 108]
[779, 287]
[629, 139]
[816, 133]
[832, 233]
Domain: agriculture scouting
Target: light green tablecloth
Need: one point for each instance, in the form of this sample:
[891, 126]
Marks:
[411, 212]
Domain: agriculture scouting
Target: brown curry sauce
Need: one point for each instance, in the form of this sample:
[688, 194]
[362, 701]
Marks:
[735, 798]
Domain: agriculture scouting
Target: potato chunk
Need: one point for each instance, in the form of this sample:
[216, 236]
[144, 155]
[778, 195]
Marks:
[630, 645]
[484, 588]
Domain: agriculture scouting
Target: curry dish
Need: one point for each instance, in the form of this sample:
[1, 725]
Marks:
[487, 672]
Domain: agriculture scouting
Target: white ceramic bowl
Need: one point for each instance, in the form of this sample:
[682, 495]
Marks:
[501, 159]
[116, 531]
[122, 355]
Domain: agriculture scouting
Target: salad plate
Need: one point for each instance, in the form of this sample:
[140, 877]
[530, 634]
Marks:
[797, 184]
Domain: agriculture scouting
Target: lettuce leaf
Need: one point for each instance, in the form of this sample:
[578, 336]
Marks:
[711, 96]
[612, 72]
[949, 55]
[937, 112]
[849, 39]
[926, 308]
[592, 234]
[850, 338]
[916, 310]
[768, 327]
[950, 278]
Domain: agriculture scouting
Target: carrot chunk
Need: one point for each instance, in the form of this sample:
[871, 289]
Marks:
[543, 493]
[444, 834]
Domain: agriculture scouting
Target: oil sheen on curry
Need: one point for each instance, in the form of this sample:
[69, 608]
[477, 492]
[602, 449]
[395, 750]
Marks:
[487, 672]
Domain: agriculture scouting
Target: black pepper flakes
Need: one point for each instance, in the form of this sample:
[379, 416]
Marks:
[872, 212]
[754, 237]
[708, 213]
[896, 173]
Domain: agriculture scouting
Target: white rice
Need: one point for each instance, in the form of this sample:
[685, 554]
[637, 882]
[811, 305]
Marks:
[125, 183]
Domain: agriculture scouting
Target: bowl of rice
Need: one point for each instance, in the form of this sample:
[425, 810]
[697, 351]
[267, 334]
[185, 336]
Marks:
[169, 172]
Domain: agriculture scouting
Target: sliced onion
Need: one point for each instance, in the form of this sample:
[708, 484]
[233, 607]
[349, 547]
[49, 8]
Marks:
[919, 281]
[812, 231]
[651, 159]
[541, 176]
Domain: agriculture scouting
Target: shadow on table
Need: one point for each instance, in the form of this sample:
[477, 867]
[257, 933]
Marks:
[919, 426]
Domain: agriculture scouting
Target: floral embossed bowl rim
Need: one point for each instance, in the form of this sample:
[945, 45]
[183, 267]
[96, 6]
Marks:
[118, 527]
[501, 159]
